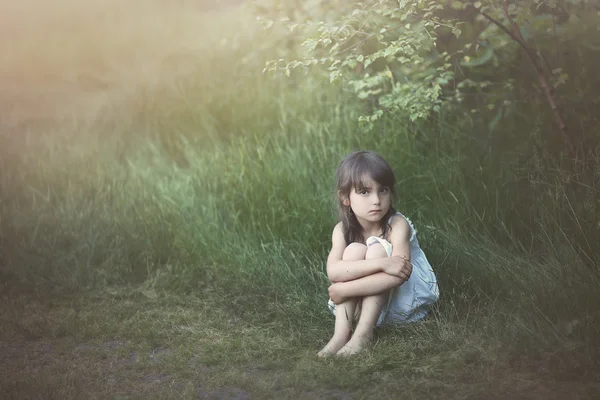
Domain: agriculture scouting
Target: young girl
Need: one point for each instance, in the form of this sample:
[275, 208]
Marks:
[370, 260]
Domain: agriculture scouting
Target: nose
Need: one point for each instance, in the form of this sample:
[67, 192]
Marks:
[377, 200]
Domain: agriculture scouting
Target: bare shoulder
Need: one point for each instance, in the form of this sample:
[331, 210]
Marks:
[400, 228]
[338, 244]
[338, 227]
[337, 237]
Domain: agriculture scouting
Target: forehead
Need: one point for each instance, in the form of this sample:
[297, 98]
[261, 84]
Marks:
[367, 182]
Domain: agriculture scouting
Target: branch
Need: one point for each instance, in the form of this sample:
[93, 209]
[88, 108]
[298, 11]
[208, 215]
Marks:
[499, 25]
[516, 35]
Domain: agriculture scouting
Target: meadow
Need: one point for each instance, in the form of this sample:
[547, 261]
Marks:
[166, 211]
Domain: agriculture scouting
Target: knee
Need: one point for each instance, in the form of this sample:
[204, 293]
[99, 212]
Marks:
[376, 251]
[355, 251]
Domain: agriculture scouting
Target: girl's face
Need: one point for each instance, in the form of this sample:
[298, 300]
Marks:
[369, 202]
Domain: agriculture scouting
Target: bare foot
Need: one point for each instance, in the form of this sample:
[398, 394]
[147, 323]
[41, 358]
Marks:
[355, 345]
[336, 343]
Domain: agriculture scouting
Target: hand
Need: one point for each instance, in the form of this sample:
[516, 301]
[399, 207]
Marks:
[398, 266]
[335, 293]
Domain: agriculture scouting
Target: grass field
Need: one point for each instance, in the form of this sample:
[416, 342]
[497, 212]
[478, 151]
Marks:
[166, 211]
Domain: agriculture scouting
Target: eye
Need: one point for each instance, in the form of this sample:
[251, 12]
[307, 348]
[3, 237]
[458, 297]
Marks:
[384, 190]
[363, 192]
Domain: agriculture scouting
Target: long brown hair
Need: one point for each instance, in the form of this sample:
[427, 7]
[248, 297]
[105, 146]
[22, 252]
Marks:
[349, 176]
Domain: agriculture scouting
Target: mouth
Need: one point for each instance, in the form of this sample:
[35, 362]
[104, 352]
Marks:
[374, 211]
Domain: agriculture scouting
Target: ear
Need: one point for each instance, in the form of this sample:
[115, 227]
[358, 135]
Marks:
[345, 200]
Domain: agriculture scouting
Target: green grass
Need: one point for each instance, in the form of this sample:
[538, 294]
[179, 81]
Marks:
[164, 235]
[133, 343]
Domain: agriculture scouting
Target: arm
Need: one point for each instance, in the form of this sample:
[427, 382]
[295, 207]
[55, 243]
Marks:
[400, 239]
[380, 282]
[365, 286]
[339, 270]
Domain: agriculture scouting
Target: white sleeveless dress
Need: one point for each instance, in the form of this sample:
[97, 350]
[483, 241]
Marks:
[412, 300]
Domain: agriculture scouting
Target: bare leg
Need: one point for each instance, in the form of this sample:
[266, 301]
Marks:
[371, 309]
[344, 312]
[363, 335]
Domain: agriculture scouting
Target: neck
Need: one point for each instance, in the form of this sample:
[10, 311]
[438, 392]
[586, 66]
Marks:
[370, 228]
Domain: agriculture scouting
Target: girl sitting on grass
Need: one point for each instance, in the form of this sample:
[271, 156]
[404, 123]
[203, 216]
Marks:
[370, 260]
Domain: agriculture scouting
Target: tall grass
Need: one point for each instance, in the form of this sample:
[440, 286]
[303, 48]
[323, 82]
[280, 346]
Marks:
[187, 170]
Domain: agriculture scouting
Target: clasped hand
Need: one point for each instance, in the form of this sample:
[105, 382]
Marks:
[398, 266]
